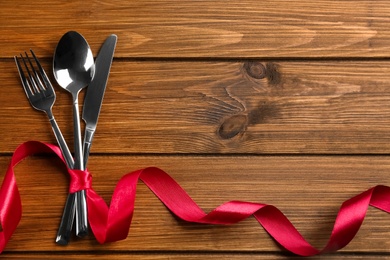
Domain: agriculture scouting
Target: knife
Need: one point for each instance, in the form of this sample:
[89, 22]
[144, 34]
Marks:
[94, 97]
[92, 104]
[91, 110]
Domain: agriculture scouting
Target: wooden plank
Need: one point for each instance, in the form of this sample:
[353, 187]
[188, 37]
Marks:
[283, 102]
[221, 107]
[239, 28]
[184, 256]
[309, 190]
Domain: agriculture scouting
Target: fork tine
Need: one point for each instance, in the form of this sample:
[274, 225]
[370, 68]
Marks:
[34, 87]
[25, 84]
[46, 80]
[34, 76]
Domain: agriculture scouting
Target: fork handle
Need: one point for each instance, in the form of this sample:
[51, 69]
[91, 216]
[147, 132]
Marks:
[61, 142]
[68, 215]
[65, 229]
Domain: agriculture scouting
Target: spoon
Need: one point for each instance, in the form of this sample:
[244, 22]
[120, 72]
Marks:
[74, 69]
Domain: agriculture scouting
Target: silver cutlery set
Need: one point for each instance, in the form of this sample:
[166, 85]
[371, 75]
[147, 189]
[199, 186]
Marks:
[74, 69]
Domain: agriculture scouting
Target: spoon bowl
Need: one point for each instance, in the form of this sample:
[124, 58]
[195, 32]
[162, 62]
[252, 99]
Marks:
[73, 63]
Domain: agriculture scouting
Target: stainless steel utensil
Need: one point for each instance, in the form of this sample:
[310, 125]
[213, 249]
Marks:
[41, 95]
[95, 93]
[74, 68]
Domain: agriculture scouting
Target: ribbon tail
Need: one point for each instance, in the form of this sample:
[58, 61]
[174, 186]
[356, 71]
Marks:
[181, 204]
[348, 222]
[10, 201]
[10, 208]
[349, 219]
[97, 215]
[112, 223]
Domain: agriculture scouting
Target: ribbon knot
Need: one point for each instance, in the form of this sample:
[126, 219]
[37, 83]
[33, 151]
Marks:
[79, 180]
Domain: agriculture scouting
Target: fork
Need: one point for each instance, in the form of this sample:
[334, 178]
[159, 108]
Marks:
[41, 95]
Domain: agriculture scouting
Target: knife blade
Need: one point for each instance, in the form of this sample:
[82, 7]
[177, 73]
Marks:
[95, 93]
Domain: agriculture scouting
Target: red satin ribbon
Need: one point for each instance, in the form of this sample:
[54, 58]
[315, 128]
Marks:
[112, 223]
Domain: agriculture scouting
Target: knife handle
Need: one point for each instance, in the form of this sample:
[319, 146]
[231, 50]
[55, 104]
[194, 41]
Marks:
[88, 136]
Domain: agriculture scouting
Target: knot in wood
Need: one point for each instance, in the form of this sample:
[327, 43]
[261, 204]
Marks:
[255, 69]
[233, 126]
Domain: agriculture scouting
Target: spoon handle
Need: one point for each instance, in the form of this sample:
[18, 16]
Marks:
[81, 203]
[78, 149]
[81, 214]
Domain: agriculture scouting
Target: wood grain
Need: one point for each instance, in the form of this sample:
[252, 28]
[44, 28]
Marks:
[319, 107]
[185, 256]
[280, 102]
[308, 190]
[239, 28]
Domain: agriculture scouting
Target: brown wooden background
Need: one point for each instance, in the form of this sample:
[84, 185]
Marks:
[279, 102]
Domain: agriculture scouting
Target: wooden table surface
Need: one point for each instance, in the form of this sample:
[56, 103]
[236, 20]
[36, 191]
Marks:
[278, 102]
